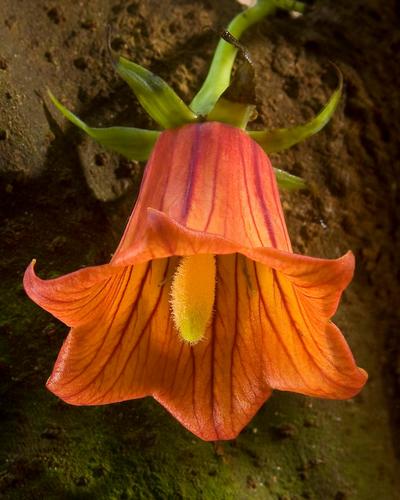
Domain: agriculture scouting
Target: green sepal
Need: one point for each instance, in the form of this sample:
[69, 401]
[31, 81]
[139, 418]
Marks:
[155, 95]
[280, 139]
[133, 143]
[288, 181]
[233, 113]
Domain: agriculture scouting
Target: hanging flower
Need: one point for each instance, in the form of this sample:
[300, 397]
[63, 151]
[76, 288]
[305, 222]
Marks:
[203, 306]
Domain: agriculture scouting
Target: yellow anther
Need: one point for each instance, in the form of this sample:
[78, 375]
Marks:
[192, 296]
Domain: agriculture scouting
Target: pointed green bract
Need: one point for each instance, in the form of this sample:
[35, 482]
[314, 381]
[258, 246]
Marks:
[219, 74]
[133, 143]
[155, 95]
[279, 139]
[288, 181]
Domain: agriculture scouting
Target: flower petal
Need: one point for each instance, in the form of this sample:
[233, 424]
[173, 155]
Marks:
[304, 351]
[132, 349]
[211, 178]
[75, 297]
[226, 383]
[114, 356]
[321, 281]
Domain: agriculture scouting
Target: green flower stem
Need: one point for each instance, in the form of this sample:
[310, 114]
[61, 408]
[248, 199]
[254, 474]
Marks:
[291, 5]
[219, 74]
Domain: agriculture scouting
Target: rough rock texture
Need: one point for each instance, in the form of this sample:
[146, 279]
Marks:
[64, 201]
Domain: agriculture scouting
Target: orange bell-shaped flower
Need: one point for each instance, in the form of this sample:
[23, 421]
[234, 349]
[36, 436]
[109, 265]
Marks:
[203, 306]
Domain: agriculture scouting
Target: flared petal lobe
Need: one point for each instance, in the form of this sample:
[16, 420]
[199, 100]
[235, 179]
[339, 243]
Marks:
[260, 338]
[208, 189]
[132, 349]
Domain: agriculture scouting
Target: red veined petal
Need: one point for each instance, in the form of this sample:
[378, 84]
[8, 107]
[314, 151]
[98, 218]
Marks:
[115, 356]
[215, 387]
[132, 350]
[319, 282]
[73, 298]
[322, 280]
[210, 178]
[304, 351]
[227, 383]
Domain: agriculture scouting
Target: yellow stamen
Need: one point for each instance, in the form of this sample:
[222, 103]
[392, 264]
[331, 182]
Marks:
[192, 296]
